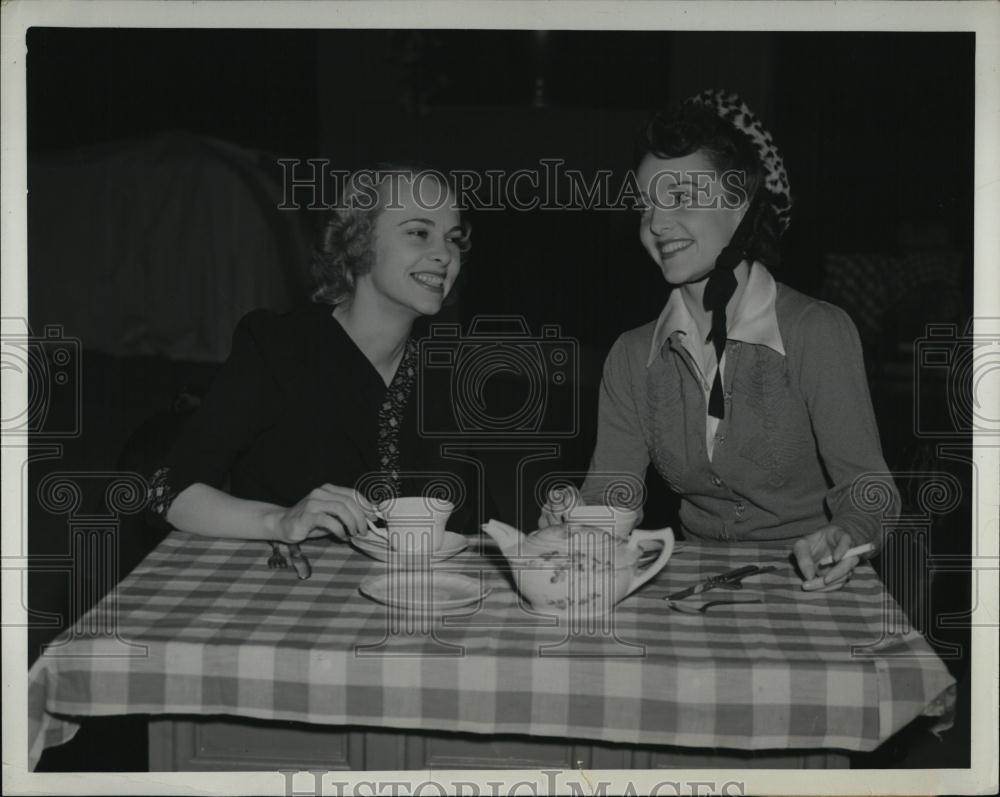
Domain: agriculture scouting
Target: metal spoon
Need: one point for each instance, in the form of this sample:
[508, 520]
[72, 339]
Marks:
[702, 608]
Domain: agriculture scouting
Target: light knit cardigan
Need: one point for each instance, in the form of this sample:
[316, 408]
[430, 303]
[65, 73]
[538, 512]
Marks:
[798, 447]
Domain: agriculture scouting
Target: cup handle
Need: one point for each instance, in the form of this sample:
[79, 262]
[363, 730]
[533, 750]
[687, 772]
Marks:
[667, 536]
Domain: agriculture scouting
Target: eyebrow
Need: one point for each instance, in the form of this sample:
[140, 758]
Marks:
[672, 186]
[456, 228]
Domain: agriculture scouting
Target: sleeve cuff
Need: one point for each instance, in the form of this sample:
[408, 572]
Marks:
[861, 530]
[159, 496]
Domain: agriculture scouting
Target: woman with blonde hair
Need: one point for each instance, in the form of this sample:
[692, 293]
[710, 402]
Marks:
[311, 401]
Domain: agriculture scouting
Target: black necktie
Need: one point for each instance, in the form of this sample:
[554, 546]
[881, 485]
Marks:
[719, 290]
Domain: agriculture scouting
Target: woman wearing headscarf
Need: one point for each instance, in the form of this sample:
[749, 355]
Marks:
[748, 397]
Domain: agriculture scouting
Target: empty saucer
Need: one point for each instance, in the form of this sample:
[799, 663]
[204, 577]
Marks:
[423, 591]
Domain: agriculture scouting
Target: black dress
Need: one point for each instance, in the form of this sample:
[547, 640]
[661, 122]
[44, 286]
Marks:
[298, 405]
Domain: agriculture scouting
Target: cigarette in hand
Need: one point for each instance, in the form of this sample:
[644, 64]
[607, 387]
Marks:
[859, 550]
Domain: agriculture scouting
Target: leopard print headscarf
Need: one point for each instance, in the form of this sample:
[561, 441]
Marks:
[732, 109]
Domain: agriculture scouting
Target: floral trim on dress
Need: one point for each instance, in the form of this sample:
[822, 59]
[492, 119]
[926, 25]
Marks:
[390, 415]
[161, 493]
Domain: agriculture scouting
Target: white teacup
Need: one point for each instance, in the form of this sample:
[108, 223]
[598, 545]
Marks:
[615, 520]
[416, 524]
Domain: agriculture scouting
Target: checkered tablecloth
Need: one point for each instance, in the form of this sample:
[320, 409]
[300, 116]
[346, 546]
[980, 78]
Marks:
[204, 627]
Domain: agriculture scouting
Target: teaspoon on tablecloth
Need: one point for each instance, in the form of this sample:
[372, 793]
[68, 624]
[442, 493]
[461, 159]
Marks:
[702, 608]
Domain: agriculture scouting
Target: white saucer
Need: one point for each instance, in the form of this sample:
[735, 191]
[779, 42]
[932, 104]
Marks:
[422, 591]
[452, 545]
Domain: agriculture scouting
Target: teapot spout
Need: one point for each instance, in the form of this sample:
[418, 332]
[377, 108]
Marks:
[505, 536]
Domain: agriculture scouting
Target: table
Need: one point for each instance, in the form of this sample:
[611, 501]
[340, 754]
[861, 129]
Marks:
[204, 628]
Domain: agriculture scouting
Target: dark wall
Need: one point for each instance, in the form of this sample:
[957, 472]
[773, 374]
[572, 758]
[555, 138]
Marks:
[876, 129]
[256, 88]
[876, 134]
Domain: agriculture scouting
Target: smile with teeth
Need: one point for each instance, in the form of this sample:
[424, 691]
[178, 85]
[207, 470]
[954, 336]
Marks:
[672, 247]
[434, 282]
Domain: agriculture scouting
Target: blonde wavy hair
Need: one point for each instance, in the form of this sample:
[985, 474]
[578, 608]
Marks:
[346, 247]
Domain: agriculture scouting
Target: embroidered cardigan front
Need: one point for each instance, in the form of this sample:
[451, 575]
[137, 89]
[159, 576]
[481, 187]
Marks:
[798, 447]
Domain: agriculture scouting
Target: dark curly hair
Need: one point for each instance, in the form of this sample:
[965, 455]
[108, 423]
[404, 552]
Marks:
[346, 248]
[689, 127]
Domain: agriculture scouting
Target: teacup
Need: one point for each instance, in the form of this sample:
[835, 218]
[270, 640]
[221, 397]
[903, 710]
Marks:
[615, 520]
[416, 524]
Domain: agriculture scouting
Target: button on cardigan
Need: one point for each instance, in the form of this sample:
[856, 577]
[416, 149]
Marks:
[798, 433]
[752, 321]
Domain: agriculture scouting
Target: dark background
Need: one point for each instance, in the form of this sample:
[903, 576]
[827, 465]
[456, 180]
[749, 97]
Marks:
[877, 132]
[875, 128]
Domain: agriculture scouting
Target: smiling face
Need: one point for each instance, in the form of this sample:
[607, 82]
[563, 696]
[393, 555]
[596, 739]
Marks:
[415, 249]
[688, 216]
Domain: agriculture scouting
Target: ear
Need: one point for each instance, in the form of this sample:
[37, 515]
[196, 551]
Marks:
[738, 215]
[741, 212]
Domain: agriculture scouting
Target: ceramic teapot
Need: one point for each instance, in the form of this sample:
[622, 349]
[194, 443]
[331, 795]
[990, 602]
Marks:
[574, 568]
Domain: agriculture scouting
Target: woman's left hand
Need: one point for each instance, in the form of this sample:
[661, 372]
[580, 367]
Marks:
[830, 541]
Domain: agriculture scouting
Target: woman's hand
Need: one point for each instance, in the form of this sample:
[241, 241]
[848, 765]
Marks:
[830, 541]
[329, 509]
[558, 501]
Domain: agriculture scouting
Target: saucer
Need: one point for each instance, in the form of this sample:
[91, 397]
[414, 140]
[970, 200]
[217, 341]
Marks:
[372, 546]
[419, 591]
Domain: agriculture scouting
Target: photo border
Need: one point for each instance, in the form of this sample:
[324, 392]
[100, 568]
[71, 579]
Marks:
[983, 18]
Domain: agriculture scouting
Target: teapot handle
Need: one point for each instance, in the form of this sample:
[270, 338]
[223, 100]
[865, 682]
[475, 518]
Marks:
[667, 536]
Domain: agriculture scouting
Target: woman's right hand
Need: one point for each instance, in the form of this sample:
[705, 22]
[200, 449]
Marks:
[329, 509]
[558, 501]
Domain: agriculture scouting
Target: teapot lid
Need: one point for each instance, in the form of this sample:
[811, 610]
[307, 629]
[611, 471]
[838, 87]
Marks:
[561, 534]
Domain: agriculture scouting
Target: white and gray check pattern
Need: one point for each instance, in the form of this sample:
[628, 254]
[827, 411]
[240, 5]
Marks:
[218, 634]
